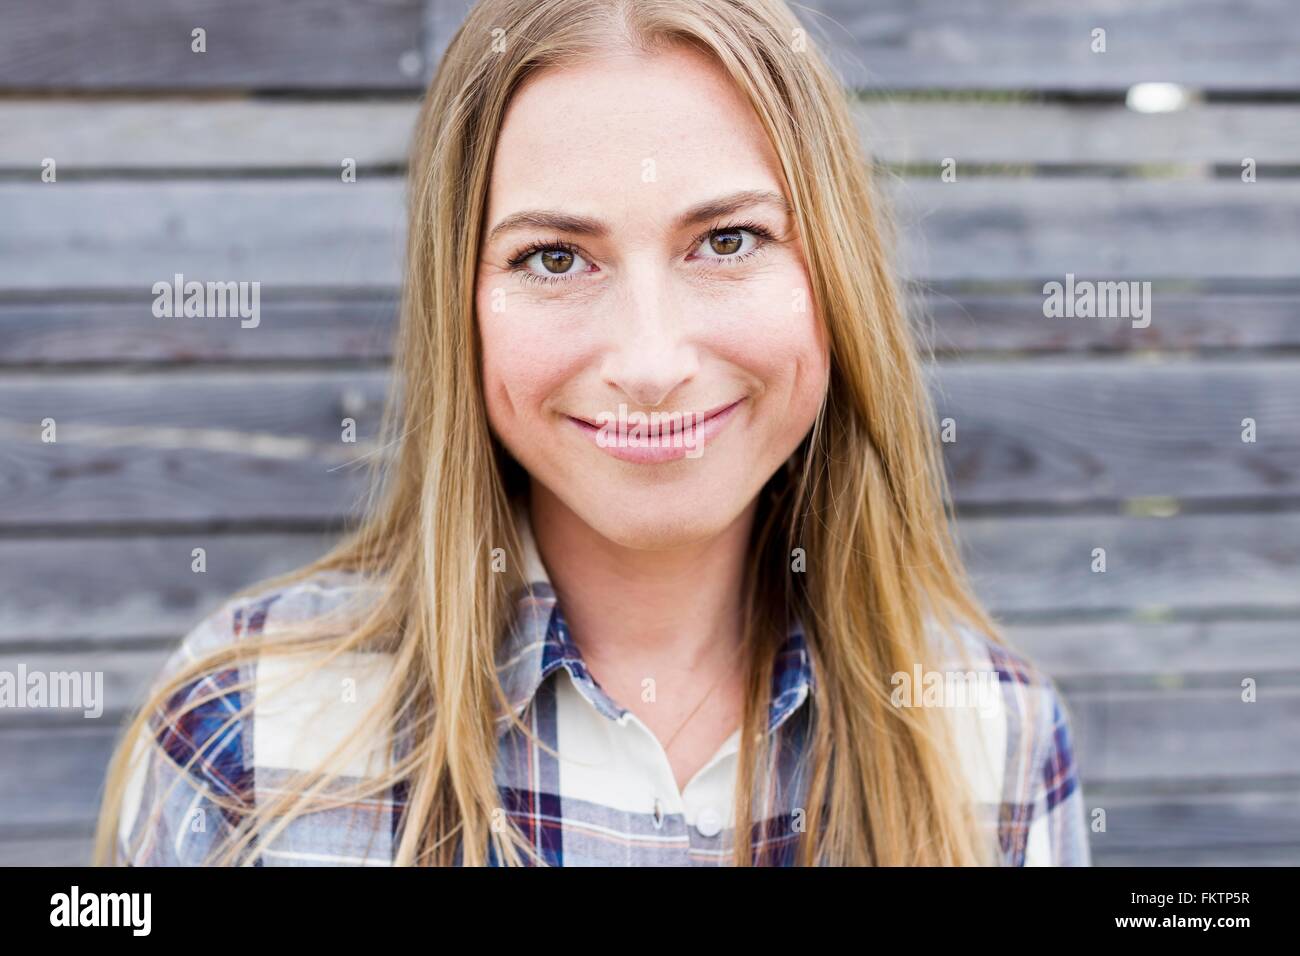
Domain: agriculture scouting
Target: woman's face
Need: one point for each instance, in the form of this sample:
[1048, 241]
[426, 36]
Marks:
[639, 254]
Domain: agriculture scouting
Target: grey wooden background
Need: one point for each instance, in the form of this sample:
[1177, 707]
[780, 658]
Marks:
[1073, 434]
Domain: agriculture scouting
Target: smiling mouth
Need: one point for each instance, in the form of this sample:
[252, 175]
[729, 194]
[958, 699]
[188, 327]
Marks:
[672, 422]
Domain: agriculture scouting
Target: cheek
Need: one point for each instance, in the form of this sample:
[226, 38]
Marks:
[524, 363]
[773, 333]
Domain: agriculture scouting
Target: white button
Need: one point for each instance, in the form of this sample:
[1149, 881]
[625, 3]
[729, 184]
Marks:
[709, 822]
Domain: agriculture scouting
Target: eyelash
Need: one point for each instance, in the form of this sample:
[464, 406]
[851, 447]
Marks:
[516, 261]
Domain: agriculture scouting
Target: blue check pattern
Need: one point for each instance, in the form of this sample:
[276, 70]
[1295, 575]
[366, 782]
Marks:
[1031, 801]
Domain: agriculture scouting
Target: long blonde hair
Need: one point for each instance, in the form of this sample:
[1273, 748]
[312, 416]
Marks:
[863, 496]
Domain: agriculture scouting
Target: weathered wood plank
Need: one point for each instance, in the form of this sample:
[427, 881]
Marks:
[243, 446]
[1066, 432]
[1170, 650]
[295, 44]
[986, 44]
[352, 329]
[313, 44]
[1281, 855]
[47, 851]
[132, 235]
[56, 331]
[93, 589]
[228, 445]
[54, 776]
[1213, 562]
[330, 235]
[1176, 735]
[1222, 821]
[252, 134]
[96, 590]
[1028, 132]
[203, 134]
[1022, 229]
[960, 322]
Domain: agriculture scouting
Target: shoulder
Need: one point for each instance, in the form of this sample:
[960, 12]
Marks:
[258, 611]
[205, 727]
[261, 608]
[219, 692]
[1017, 748]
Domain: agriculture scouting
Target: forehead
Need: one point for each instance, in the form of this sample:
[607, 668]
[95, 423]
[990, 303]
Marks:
[672, 124]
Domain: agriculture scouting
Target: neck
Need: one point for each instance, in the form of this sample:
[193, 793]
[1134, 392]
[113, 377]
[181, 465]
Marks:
[628, 608]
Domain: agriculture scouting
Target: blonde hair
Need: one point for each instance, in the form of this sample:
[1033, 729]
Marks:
[863, 496]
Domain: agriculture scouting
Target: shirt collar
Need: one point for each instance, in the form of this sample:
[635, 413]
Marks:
[539, 644]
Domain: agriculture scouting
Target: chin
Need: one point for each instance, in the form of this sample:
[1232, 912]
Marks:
[658, 521]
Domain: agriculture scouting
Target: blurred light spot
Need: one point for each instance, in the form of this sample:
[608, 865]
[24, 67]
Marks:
[1156, 97]
[1153, 506]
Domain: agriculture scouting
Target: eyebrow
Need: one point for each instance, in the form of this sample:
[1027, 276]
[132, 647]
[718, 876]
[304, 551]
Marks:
[587, 226]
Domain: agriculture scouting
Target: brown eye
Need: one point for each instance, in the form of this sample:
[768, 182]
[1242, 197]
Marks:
[726, 243]
[550, 263]
[556, 261]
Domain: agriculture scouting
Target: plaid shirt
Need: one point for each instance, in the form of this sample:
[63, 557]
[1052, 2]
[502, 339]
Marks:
[610, 799]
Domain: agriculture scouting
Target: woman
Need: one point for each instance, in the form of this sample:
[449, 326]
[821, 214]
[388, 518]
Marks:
[661, 557]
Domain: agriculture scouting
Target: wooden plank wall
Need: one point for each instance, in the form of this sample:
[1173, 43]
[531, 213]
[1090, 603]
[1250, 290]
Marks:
[1072, 434]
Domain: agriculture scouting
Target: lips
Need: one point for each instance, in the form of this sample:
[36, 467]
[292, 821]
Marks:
[666, 444]
[671, 425]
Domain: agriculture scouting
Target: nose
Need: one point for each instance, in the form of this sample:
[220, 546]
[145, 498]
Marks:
[650, 351]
